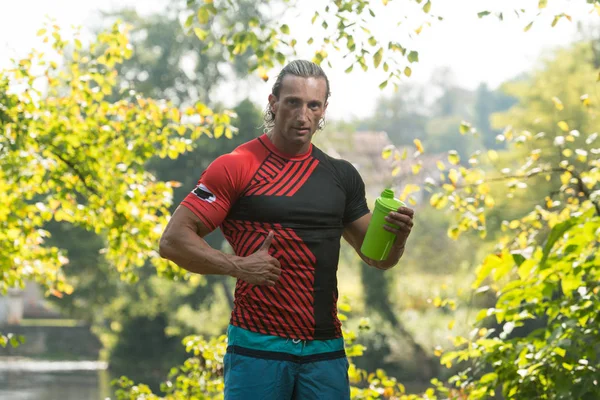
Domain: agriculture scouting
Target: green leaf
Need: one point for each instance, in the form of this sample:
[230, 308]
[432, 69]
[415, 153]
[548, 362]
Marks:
[372, 41]
[280, 58]
[518, 258]
[557, 103]
[407, 71]
[203, 15]
[489, 378]
[561, 352]
[449, 357]
[189, 21]
[427, 7]
[564, 126]
[219, 130]
[387, 151]
[483, 14]
[542, 4]
[465, 127]
[453, 157]
[413, 56]
[377, 57]
[383, 84]
[570, 283]
[41, 32]
[201, 33]
[528, 27]
[285, 29]
[557, 232]
[525, 268]
[344, 307]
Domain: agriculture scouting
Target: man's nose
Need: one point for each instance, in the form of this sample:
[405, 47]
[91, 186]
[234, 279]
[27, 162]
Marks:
[302, 114]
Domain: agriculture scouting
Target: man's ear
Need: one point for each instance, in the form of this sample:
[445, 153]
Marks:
[273, 103]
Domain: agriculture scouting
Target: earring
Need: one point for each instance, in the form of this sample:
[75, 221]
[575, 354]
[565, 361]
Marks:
[321, 124]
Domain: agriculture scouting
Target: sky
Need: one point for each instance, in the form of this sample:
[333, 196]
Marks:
[477, 50]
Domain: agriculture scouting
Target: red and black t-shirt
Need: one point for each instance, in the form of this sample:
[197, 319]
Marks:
[306, 200]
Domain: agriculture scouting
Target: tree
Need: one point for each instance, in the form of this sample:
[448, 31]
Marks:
[545, 267]
[341, 26]
[69, 154]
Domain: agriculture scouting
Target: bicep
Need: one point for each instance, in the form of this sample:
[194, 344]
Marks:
[184, 219]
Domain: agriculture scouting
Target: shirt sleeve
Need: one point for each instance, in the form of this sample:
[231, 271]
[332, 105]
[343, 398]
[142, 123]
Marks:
[356, 202]
[217, 190]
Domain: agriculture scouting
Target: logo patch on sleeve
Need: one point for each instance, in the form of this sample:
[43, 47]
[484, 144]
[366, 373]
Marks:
[204, 194]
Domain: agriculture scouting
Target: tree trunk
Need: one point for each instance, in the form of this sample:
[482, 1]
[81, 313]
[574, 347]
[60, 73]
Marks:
[377, 289]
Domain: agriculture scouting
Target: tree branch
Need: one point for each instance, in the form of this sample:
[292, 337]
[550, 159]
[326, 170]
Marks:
[580, 184]
[586, 192]
[73, 168]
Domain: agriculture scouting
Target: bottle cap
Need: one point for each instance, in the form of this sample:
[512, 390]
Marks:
[387, 202]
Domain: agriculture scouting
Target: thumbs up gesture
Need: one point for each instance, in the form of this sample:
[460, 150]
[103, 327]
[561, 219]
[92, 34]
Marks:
[260, 268]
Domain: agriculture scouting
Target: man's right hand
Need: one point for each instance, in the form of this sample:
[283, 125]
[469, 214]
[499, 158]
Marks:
[260, 268]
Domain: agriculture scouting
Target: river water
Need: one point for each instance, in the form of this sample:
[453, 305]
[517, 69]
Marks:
[53, 380]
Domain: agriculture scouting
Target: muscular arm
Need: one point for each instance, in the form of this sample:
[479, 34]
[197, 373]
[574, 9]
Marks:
[355, 232]
[182, 242]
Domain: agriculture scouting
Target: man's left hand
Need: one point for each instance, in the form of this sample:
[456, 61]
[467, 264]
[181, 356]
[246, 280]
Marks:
[403, 219]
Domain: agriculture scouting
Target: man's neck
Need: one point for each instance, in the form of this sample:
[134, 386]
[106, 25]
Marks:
[285, 147]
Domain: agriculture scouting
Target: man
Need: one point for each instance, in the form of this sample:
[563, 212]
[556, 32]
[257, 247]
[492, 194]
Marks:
[283, 205]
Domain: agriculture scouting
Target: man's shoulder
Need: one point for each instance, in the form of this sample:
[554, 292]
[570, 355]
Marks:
[245, 152]
[341, 165]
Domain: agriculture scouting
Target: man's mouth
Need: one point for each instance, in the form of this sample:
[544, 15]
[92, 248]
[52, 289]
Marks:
[302, 130]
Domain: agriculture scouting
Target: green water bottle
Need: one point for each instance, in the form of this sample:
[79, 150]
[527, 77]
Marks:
[378, 241]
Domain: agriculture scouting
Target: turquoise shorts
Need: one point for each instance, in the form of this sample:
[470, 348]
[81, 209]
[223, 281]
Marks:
[264, 367]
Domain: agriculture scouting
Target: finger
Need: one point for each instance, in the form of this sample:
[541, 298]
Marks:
[399, 218]
[276, 263]
[402, 229]
[276, 271]
[399, 224]
[267, 243]
[268, 282]
[406, 211]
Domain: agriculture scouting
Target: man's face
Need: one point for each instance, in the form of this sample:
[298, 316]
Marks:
[299, 108]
